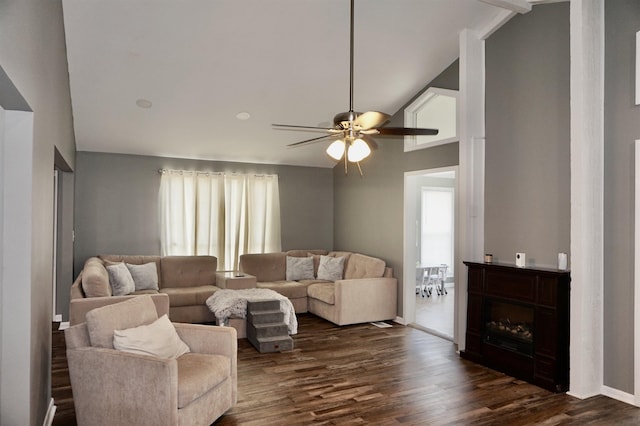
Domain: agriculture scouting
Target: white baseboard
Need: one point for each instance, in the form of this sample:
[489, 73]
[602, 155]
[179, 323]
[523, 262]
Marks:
[619, 395]
[63, 325]
[51, 412]
[400, 321]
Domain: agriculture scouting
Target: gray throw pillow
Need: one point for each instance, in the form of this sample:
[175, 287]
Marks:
[120, 279]
[145, 276]
[299, 268]
[331, 268]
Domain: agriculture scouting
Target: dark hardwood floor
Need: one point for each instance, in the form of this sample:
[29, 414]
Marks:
[357, 375]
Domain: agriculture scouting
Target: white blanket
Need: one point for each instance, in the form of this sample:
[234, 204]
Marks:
[227, 303]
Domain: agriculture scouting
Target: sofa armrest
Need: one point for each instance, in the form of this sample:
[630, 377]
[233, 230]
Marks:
[366, 299]
[112, 387]
[214, 340]
[78, 308]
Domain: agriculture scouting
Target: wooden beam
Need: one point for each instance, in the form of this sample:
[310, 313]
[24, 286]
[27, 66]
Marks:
[519, 6]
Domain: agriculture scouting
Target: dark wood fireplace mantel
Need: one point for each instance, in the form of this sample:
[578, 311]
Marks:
[518, 322]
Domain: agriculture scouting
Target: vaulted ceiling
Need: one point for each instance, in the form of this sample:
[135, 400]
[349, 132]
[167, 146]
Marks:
[169, 78]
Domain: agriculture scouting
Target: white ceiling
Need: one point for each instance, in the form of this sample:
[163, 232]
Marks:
[200, 62]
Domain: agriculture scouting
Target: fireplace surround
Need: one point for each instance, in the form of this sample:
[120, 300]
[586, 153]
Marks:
[518, 322]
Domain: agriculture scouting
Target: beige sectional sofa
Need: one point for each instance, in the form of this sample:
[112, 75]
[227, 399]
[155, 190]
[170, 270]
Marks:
[364, 289]
[187, 280]
[365, 292]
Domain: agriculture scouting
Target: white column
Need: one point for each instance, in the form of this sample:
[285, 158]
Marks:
[471, 114]
[587, 195]
[15, 323]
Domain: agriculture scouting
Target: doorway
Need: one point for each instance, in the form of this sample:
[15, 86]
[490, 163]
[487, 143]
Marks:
[431, 250]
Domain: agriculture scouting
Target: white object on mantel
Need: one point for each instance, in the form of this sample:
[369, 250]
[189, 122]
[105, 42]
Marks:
[562, 261]
[520, 6]
[521, 260]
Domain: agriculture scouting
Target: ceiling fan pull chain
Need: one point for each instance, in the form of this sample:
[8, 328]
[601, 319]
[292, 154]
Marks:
[359, 168]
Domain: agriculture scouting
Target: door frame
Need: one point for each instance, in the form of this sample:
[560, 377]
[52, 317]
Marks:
[410, 254]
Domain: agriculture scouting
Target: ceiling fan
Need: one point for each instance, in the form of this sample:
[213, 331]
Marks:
[352, 130]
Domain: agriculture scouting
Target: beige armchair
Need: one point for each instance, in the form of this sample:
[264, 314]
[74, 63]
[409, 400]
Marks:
[113, 387]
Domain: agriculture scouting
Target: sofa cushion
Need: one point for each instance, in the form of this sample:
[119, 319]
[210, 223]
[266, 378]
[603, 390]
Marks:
[120, 279]
[299, 268]
[101, 322]
[266, 267]
[324, 292]
[290, 289]
[361, 266]
[331, 268]
[95, 279]
[145, 276]
[158, 339]
[192, 384]
[189, 296]
[188, 271]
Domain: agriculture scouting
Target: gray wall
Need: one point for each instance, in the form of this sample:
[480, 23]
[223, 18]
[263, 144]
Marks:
[527, 183]
[369, 213]
[621, 129]
[117, 202]
[33, 56]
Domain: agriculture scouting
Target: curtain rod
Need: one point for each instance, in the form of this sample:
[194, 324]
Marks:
[165, 171]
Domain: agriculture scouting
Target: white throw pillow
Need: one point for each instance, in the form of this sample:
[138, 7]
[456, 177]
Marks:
[299, 268]
[331, 268]
[145, 276]
[120, 279]
[158, 339]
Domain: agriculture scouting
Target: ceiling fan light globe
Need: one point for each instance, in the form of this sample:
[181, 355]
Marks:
[336, 150]
[358, 151]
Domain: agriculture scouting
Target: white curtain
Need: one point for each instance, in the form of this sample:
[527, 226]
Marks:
[219, 215]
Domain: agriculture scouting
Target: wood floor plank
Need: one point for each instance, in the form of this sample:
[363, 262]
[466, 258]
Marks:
[364, 375]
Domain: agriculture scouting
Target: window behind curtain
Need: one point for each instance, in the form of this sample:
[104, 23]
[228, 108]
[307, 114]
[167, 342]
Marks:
[437, 239]
[219, 215]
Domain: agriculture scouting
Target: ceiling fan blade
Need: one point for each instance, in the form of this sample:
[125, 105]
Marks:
[291, 126]
[310, 141]
[371, 119]
[406, 131]
[369, 140]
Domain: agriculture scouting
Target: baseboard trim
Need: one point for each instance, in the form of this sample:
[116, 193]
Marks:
[400, 321]
[51, 412]
[619, 395]
[63, 325]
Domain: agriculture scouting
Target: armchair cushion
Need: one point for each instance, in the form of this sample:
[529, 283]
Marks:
[158, 339]
[192, 382]
[101, 322]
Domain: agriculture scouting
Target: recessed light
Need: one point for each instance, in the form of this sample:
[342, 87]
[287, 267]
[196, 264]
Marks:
[144, 103]
[243, 115]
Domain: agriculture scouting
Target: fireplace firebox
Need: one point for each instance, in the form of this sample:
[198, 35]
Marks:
[518, 322]
[509, 326]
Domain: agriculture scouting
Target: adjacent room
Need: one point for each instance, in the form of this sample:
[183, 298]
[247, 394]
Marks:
[332, 212]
